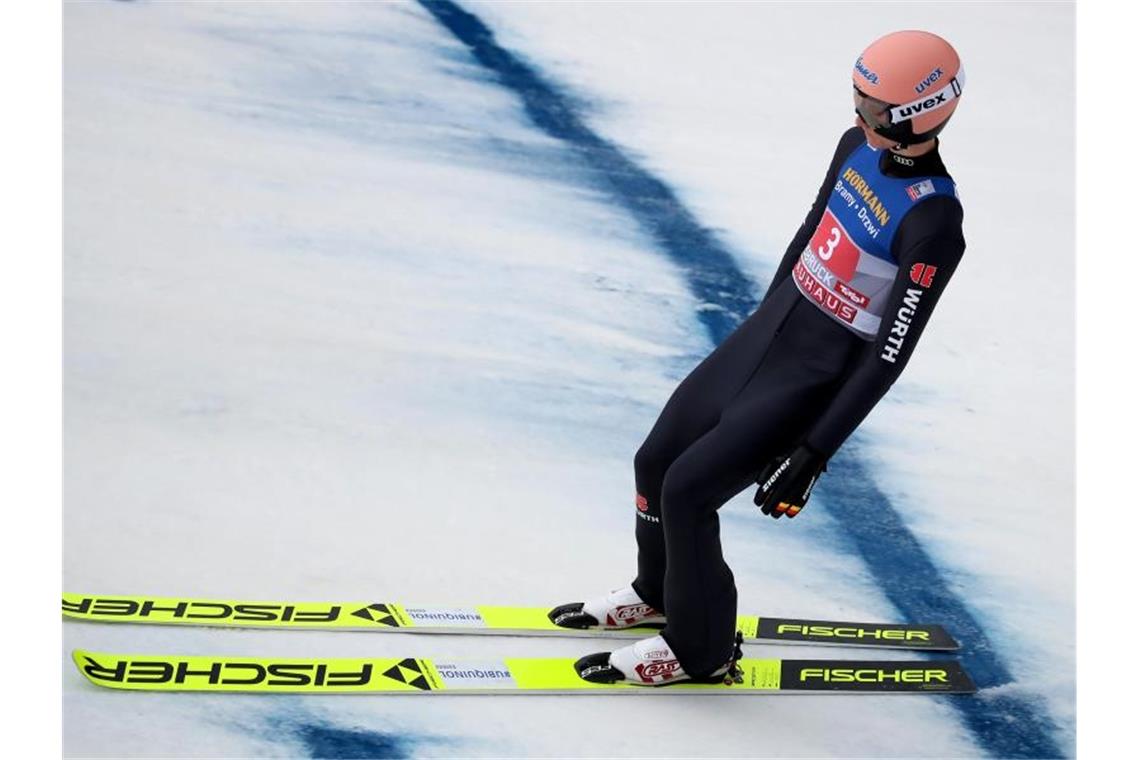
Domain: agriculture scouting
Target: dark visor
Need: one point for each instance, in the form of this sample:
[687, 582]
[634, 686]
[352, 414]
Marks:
[872, 110]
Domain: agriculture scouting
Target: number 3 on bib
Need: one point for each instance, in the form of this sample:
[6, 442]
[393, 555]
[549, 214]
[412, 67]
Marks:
[832, 241]
[832, 245]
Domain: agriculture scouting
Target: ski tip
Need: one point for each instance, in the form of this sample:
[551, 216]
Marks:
[107, 671]
[85, 661]
[71, 605]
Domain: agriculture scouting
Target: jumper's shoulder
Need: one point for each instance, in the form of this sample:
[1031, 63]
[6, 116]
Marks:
[848, 142]
[932, 230]
[939, 215]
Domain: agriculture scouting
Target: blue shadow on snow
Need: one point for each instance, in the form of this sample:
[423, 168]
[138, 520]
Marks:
[323, 740]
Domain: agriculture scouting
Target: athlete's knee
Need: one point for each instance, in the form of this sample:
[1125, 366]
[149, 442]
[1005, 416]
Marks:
[685, 490]
[652, 460]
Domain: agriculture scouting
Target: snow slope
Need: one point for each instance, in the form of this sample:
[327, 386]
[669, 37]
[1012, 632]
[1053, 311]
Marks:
[342, 322]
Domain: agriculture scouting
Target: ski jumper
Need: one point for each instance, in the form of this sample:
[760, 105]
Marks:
[835, 329]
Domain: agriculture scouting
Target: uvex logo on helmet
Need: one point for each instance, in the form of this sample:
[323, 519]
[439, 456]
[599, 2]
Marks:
[911, 110]
[931, 79]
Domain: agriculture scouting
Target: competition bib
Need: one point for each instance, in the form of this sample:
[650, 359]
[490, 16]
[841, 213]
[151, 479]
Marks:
[847, 268]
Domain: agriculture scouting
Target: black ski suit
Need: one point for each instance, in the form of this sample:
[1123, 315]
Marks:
[791, 374]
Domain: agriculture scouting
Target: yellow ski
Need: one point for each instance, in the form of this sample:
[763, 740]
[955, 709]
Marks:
[505, 676]
[513, 621]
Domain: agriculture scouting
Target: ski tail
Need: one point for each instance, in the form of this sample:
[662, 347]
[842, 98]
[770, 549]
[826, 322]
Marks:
[411, 675]
[933, 676]
[884, 635]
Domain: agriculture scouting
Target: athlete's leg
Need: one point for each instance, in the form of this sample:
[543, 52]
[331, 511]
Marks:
[766, 418]
[694, 408]
[700, 592]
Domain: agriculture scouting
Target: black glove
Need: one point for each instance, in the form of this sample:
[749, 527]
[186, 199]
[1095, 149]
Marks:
[786, 483]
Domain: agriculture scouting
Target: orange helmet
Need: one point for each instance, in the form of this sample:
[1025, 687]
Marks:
[907, 85]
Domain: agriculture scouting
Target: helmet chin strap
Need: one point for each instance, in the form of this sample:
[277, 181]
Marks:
[897, 146]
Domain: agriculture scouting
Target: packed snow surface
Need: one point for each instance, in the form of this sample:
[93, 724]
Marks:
[342, 323]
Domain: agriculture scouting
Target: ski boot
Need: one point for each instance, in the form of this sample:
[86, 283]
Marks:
[651, 662]
[618, 609]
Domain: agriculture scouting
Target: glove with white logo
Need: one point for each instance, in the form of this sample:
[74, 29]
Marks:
[787, 481]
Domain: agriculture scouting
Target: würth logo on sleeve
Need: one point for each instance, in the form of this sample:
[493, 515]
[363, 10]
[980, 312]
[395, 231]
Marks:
[903, 318]
[922, 274]
[643, 510]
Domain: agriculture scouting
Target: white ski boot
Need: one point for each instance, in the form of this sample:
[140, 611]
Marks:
[618, 609]
[649, 662]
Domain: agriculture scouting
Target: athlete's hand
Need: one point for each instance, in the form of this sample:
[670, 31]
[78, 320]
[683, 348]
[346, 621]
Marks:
[786, 483]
